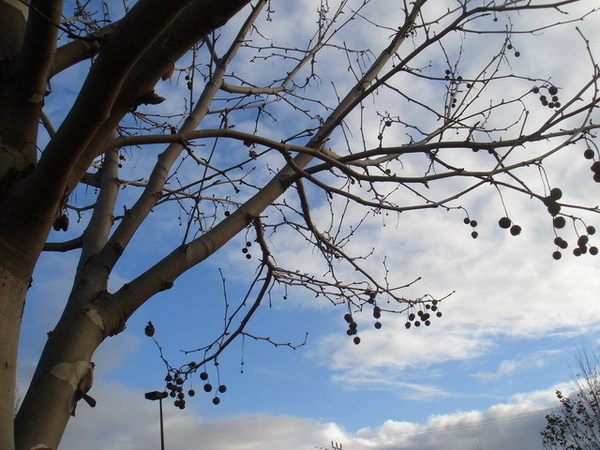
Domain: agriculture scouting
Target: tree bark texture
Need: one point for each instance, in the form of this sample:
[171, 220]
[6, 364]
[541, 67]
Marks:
[134, 52]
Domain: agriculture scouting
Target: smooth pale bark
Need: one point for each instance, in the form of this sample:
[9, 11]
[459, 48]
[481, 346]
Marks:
[86, 320]
[10, 314]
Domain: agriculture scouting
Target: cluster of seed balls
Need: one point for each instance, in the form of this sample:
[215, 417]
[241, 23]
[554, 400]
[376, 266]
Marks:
[175, 388]
[589, 154]
[582, 242]
[551, 100]
[353, 326]
[558, 222]
[450, 77]
[423, 316]
[246, 250]
[176, 380]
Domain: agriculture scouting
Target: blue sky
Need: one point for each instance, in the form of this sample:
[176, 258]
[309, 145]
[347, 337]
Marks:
[482, 376]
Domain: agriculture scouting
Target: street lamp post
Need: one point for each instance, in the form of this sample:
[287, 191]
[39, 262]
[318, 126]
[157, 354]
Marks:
[157, 395]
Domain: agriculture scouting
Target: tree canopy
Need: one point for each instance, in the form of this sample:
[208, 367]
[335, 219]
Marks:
[221, 121]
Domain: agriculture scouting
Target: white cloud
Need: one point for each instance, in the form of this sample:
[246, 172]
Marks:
[521, 363]
[134, 425]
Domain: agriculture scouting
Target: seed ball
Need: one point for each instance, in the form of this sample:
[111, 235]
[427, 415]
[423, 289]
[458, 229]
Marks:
[577, 251]
[222, 389]
[557, 240]
[535, 90]
[248, 256]
[563, 244]
[356, 340]
[557, 255]
[420, 313]
[169, 377]
[595, 167]
[551, 105]
[377, 325]
[505, 223]
[216, 400]
[543, 99]
[555, 193]
[517, 54]
[248, 244]
[207, 387]
[176, 403]
[515, 230]
[427, 323]
[376, 314]
[582, 241]
[407, 325]
[411, 316]
[181, 396]
[351, 332]
[466, 221]
[509, 46]
[172, 394]
[203, 376]
[348, 317]
[474, 234]
[191, 392]
[149, 330]
[593, 251]
[554, 98]
[353, 325]
[588, 154]
[438, 314]
[597, 177]
[434, 308]
[553, 90]
[583, 250]
[179, 380]
[559, 222]
[245, 250]
[473, 223]
[557, 104]
[590, 229]
[417, 323]
[553, 209]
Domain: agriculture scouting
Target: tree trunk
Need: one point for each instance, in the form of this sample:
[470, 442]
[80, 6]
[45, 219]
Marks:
[51, 397]
[12, 298]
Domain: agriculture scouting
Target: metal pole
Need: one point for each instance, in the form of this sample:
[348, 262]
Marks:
[162, 435]
[156, 395]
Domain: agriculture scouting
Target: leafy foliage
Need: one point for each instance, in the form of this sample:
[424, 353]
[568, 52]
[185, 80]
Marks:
[576, 425]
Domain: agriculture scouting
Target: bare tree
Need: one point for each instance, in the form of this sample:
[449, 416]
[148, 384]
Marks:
[576, 424]
[262, 130]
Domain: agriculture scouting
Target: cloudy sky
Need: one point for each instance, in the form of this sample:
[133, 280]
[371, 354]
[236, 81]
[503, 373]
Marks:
[480, 377]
